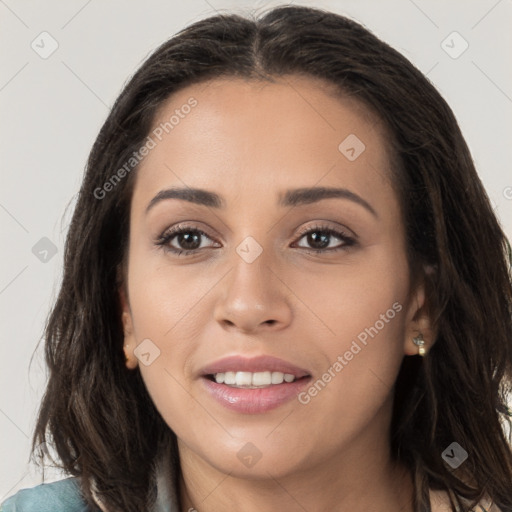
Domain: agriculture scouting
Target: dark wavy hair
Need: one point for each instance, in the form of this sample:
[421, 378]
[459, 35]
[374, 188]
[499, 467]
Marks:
[98, 415]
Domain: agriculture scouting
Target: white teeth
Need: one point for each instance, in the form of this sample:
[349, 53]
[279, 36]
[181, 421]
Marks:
[243, 378]
[253, 380]
[229, 378]
[262, 378]
[277, 377]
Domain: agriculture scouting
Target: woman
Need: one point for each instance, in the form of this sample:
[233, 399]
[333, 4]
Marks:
[284, 288]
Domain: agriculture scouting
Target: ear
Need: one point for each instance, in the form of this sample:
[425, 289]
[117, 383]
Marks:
[129, 336]
[418, 321]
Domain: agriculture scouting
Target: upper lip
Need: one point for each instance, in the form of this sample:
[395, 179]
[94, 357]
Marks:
[253, 364]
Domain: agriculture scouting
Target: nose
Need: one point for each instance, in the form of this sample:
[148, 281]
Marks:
[253, 298]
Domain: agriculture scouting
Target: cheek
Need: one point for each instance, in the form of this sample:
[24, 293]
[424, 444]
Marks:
[165, 299]
[165, 303]
[353, 391]
[346, 300]
[358, 326]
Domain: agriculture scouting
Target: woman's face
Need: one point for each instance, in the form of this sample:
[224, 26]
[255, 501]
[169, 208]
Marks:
[252, 303]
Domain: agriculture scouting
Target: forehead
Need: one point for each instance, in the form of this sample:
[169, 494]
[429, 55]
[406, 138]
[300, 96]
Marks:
[253, 138]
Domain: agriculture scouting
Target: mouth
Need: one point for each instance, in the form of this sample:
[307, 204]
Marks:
[250, 380]
[253, 385]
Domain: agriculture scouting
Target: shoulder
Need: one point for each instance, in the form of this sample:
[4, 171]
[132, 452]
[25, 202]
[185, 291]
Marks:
[440, 502]
[61, 496]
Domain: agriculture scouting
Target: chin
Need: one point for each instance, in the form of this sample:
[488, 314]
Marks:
[249, 456]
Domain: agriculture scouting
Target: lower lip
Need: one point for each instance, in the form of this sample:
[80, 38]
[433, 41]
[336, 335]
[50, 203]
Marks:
[254, 401]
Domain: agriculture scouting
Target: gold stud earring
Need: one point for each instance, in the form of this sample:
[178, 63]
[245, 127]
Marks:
[420, 343]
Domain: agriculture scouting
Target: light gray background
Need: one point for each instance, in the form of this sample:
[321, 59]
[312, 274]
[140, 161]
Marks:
[53, 108]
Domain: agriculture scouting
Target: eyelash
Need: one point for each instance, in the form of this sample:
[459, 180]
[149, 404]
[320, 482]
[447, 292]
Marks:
[165, 238]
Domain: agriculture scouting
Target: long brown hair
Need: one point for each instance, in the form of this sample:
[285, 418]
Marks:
[98, 415]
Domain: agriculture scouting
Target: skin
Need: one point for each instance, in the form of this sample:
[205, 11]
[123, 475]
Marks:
[248, 141]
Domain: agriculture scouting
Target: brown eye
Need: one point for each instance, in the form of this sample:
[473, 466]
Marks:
[182, 240]
[318, 239]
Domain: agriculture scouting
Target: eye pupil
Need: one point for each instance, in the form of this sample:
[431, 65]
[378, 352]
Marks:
[314, 238]
[188, 240]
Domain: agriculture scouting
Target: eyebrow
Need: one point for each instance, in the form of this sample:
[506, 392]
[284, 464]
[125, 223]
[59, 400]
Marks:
[295, 197]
